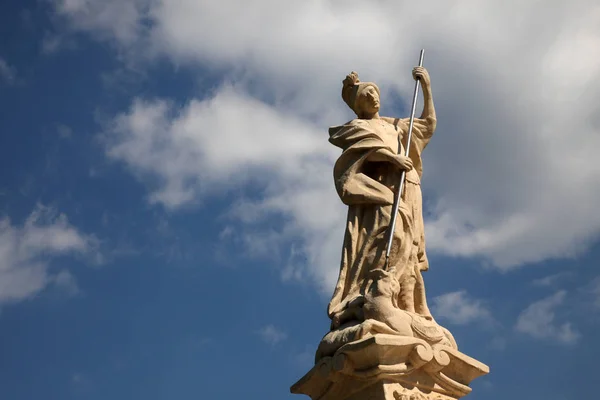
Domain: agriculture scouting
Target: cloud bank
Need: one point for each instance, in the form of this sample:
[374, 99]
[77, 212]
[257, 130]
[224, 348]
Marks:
[511, 176]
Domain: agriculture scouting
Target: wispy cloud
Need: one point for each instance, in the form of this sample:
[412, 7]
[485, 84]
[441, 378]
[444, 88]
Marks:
[64, 131]
[460, 309]
[8, 74]
[25, 253]
[538, 321]
[592, 291]
[121, 19]
[552, 280]
[304, 359]
[498, 343]
[66, 282]
[77, 378]
[596, 291]
[81, 383]
[272, 335]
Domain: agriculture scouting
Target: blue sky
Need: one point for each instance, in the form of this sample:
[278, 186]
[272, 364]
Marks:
[168, 223]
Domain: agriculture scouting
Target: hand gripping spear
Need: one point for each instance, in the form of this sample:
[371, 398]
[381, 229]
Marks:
[395, 207]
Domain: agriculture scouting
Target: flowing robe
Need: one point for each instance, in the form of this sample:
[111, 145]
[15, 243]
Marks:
[368, 188]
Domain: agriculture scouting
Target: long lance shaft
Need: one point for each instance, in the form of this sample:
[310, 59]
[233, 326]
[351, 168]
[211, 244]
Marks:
[396, 206]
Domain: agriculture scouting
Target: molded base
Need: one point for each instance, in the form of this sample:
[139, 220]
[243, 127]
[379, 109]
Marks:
[388, 367]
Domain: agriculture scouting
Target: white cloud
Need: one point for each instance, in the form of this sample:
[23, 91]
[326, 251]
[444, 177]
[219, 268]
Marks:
[7, 72]
[230, 140]
[272, 335]
[511, 174]
[460, 309]
[25, 252]
[538, 321]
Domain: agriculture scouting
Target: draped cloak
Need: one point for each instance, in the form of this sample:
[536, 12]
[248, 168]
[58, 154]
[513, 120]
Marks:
[368, 188]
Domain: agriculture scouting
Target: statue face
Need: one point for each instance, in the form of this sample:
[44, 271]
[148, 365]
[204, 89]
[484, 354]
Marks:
[368, 100]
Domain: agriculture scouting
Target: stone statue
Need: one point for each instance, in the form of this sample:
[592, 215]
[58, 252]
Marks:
[366, 175]
[377, 308]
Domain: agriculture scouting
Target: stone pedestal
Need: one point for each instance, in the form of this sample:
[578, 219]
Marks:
[389, 367]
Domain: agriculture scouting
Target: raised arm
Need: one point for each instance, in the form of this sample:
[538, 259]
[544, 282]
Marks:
[425, 124]
[421, 74]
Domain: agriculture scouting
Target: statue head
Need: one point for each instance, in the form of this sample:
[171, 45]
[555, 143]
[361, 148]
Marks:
[361, 97]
